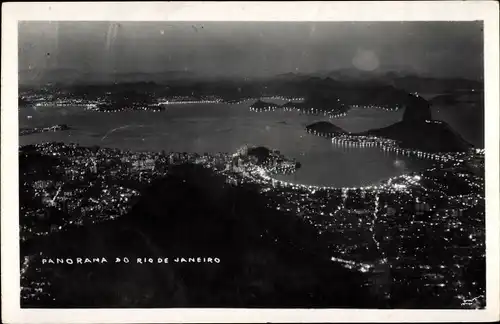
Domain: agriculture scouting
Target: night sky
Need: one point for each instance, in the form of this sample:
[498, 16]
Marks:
[440, 49]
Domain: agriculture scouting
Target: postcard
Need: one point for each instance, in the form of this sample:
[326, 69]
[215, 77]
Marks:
[250, 162]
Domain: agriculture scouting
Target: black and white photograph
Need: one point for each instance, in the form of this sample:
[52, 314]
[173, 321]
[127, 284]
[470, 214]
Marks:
[252, 164]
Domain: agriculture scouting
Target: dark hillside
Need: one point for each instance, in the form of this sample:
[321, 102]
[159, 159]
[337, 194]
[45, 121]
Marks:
[267, 258]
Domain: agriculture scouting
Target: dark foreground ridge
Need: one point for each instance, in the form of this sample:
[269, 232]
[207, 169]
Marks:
[268, 258]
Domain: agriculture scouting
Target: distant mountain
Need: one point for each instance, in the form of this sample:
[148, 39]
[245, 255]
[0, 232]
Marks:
[293, 76]
[72, 76]
[458, 97]
[409, 81]
[42, 76]
[349, 74]
[434, 85]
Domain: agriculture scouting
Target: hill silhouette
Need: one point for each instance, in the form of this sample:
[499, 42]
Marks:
[417, 109]
[260, 153]
[429, 136]
[267, 258]
[324, 127]
[259, 104]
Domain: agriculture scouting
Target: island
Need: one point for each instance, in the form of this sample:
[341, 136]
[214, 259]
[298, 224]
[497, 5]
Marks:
[260, 106]
[324, 128]
[55, 128]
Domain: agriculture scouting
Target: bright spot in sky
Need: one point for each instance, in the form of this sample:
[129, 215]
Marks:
[365, 60]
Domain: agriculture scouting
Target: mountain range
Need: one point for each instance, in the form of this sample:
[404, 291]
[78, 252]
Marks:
[73, 76]
[408, 81]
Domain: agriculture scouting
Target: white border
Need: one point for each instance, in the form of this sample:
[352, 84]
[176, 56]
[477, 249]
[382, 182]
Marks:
[262, 11]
